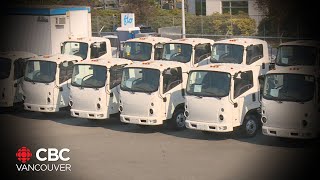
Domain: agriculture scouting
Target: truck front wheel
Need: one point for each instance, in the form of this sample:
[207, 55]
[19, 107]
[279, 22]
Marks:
[178, 120]
[250, 126]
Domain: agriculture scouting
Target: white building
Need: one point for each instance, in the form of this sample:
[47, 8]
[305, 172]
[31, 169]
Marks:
[226, 6]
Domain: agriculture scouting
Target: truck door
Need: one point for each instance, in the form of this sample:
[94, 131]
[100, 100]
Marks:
[172, 80]
[243, 82]
[18, 74]
[114, 89]
[65, 75]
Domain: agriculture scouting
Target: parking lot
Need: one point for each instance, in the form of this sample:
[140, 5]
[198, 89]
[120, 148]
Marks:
[108, 149]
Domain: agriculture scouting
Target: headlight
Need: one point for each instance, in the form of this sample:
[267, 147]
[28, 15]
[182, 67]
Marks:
[151, 111]
[221, 117]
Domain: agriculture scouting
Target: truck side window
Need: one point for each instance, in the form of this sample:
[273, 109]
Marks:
[65, 72]
[254, 53]
[98, 49]
[115, 75]
[202, 51]
[19, 68]
[243, 83]
[172, 78]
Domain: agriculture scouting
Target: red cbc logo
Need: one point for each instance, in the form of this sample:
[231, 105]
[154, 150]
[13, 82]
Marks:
[23, 154]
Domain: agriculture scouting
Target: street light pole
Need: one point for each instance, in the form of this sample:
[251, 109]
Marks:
[183, 20]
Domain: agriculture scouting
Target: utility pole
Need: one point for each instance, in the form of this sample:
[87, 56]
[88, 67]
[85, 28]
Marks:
[183, 21]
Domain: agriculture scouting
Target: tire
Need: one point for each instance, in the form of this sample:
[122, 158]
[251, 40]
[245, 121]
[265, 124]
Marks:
[177, 122]
[250, 126]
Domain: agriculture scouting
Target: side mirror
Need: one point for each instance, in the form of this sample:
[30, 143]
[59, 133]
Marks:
[183, 92]
[235, 105]
[61, 48]
[263, 66]
[60, 88]
[15, 85]
[272, 66]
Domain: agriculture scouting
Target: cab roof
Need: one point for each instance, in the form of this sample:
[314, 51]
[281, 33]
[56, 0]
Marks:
[192, 41]
[106, 62]
[150, 39]
[14, 55]
[87, 39]
[58, 58]
[225, 67]
[242, 41]
[311, 43]
[307, 70]
[159, 64]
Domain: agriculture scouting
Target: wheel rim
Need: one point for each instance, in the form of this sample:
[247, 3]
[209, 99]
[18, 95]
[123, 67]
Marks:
[180, 120]
[251, 126]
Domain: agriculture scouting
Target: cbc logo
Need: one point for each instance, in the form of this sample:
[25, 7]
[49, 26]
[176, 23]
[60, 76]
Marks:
[50, 154]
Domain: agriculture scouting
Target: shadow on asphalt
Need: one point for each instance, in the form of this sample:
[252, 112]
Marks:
[64, 117]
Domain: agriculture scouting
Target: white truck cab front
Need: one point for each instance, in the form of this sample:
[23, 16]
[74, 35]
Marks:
[94, 92]
[87, 47]
[298, 53]
[191, 51]
[290, 103]
[221, 97]
[245, 51]
[11, 73]
[152, 92]
[143, 48]
[46, 84]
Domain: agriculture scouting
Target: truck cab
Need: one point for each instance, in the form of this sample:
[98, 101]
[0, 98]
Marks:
[95, 88]
[11, 73]
[245, 51]
[143, 48]
[190, 51]
[290, 103]
[223, 97]
[46, 84]
[87, 47]
[152, 93]
[298, 53]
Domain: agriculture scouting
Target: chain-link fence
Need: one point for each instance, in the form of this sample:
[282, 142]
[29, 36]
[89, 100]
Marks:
[214, 27]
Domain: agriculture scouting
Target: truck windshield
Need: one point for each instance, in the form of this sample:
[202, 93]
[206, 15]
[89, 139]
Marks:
[227, 53]
[140, 80]
[289, 87]
[5, 68]
[208, 83]
[137, 51]
[40, 71]
[89, 76]
[296, 55]
[177, 52]
[75, 48]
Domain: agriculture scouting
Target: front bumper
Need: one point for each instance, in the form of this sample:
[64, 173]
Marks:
[289, 133]
[141, 120]
[41, 108]
[89, 114]
[205, 126]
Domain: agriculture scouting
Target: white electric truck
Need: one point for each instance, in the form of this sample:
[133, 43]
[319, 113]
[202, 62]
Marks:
[191, 51]
[11, 73]
[152, 93]
[46, 84]
[87, 47]
[245, 51]
[298, 53]
[290, 103]
[94, 92]
[143, 48]
[222, 97]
